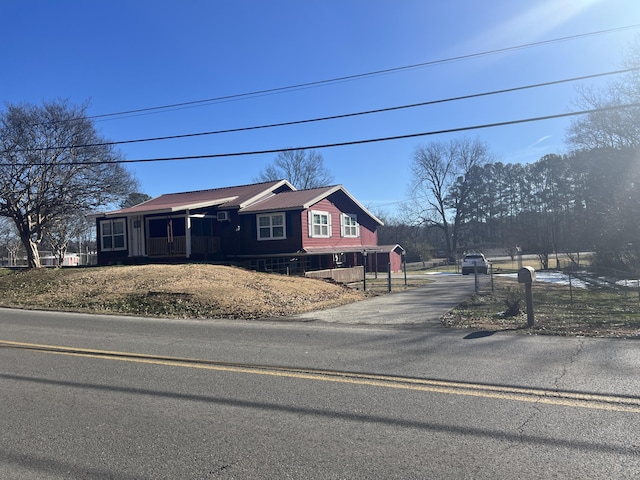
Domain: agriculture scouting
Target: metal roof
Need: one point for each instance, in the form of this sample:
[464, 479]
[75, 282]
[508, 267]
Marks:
[227, 197]
[271, 196]
[298, 199]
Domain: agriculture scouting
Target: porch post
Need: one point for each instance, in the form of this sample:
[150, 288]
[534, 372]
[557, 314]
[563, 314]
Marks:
[188, 235]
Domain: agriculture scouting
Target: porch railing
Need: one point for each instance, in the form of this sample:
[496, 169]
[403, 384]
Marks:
[205, 245]
[161, 247]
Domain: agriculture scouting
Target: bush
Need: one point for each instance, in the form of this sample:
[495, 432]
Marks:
[513, 302]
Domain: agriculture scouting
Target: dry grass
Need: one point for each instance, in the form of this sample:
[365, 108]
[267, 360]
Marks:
[595, 312]
[177, 291]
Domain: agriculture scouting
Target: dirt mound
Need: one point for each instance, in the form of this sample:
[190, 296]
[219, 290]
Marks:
[182, 291]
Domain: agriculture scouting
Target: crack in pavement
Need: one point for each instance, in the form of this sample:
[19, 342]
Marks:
[567, 365]
[536, 409]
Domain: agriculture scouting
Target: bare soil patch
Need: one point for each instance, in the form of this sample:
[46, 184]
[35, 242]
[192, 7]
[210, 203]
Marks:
[174, 291]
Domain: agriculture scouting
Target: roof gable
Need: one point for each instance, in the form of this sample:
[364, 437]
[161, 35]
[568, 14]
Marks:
[297, 199]
[304, 199]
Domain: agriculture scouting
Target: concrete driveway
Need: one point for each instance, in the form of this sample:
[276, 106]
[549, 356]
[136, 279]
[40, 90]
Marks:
[417, 306]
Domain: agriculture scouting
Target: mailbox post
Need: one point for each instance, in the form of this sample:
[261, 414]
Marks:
[527, 275]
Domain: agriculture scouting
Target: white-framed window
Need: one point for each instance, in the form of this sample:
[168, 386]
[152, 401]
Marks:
[349, 226]
[272, 226]
[112, 235]
[319, 224]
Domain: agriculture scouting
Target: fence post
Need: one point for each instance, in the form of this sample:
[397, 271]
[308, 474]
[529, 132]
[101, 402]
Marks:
[491, 271]
[570, 289]
[404, 268]
[389, 277]
[475, 274]
[375, 268]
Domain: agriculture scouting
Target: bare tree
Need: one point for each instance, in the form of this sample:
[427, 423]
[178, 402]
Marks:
[53, 163]
[134, 198]
[302, 168]
[9, 241]
[614, 128]
[617, 128]
[64, 229]
[443, 179]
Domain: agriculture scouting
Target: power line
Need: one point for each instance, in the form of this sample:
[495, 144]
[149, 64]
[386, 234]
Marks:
[317, 83]
[336, 117]
[349, 143]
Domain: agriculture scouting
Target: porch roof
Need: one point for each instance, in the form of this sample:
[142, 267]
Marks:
[321, 250]
[389, 248]
[313, 251]
[352, 249]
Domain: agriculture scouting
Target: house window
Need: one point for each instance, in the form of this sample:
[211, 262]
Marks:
[319, 224]
[349, 225]
[112, 235]
[271, 226]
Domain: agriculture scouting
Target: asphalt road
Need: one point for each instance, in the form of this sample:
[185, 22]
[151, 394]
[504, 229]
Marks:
[129, 398]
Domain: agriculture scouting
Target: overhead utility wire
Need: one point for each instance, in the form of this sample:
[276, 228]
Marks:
[353, 142]
[364, 75]
[336, 117]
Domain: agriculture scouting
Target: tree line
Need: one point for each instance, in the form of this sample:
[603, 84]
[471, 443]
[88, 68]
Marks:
[583, 201]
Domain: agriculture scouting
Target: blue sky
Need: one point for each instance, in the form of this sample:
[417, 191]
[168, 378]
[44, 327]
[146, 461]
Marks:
[123, 55]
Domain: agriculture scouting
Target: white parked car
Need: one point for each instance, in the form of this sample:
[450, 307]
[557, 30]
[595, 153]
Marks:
[474, 261]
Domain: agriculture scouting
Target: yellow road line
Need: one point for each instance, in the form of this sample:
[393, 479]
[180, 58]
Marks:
[521, 394]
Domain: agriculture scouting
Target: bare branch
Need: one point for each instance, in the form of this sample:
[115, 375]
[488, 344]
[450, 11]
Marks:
[302, 168]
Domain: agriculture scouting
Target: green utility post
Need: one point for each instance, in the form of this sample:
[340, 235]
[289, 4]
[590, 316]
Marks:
[364, 271]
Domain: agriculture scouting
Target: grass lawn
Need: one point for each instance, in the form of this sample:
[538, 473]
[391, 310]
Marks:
[558, 310]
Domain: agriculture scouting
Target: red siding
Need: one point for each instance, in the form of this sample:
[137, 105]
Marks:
[381, 261]
[367, 236]
[395, 259]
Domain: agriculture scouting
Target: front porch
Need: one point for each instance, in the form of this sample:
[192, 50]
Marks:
[182, 236]
[201, 246]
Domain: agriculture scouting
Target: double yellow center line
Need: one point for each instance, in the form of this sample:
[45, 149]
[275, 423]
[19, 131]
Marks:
[521, 394]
